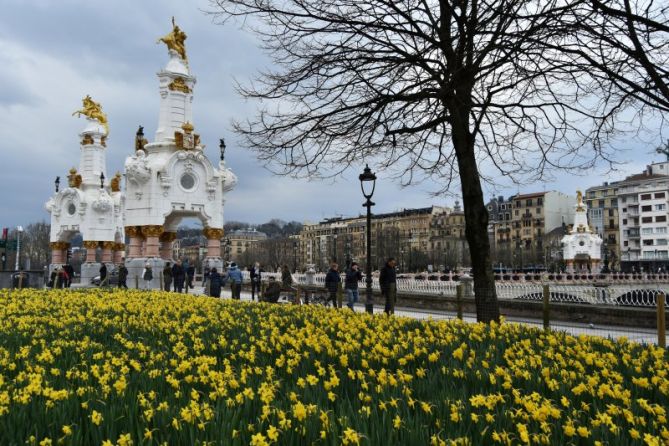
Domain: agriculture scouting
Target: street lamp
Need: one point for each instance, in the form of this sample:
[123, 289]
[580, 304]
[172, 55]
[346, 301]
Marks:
[221, 146]
[57, 183]
[367, 181]
[19, 230]
[102, 180]
[295, 256]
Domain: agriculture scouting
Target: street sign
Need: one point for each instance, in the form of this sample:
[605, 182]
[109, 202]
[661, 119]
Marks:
[11, 245]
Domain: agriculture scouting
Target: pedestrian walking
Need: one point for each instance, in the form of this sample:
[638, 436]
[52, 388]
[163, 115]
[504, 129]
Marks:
[215, 283]
[122, 275]
[190, 275]
[147, 275]
[178, 276]
[255, 280]
[70, 274]
[332, 281]
[235, 278]
[388, 283]
[167, 276]
[353, 276]
[103, 275]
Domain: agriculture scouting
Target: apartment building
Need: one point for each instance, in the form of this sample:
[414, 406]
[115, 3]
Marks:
[239, 241]
[642, 201]
[602, 203]
[448, 245]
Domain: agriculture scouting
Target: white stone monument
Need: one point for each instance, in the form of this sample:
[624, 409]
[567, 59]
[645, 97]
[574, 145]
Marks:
[170, 178]
[581, 247]
[90, 205]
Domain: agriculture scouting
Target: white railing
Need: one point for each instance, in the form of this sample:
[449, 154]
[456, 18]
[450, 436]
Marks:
[638, 293]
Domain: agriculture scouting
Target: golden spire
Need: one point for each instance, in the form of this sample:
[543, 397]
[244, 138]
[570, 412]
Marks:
[175, 40]
[93, 110]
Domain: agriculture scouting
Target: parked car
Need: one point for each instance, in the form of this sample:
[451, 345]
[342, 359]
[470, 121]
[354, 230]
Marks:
[112, 278]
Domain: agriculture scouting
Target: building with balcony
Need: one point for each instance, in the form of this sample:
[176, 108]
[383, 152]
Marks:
[602, 205]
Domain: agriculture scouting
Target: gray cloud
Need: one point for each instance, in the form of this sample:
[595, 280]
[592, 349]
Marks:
[54, 53]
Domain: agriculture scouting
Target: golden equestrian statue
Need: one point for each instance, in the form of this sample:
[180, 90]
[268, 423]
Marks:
[175, 40]
[93, 110]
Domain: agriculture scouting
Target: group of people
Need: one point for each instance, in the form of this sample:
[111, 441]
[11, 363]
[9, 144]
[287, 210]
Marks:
[178, 277]
[387, 282]
[214, 281]
[61, 276]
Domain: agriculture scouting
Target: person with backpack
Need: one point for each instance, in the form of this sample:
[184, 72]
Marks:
[147, 275]
[215, 283]
[353, 276]
[388, 284]
[332, 281]
[179, 276]
[122, 275]
[167, 276]
[235, 278]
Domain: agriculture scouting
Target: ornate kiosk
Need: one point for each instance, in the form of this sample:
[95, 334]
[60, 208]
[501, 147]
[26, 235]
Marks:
[170, 178]
[582, 246]
[89, 205]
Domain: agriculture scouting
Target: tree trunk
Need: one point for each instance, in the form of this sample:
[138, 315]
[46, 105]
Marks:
[476, 222]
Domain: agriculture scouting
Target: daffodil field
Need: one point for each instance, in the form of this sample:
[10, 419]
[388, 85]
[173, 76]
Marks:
[141, 368]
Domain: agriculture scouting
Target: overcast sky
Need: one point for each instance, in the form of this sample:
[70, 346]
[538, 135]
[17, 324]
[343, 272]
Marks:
[54, 52]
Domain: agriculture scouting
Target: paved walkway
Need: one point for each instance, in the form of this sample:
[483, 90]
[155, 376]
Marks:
[634, 334]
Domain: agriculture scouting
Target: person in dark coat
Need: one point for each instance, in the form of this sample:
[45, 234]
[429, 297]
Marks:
[353, 276]
[215, 283]
[70, 274]
[388, 284]
[272, 292]
[332, 281]
[190, 275]
[167, 276]
[255, 280]
[179, 276]
[122, 276]
[103, 275]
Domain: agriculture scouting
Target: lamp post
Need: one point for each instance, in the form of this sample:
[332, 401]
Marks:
[295, 256]
[367, 181]
[221, 147]
[57, 183]
[102, 180]
[334, 257]
[226, 246]
[19, 230]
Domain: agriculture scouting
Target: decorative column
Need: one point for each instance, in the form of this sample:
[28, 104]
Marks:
[166, 241]
[90, 246]
[152, 234]
[118, 251]
[214, 236]
[107, 252]
[58, 255]
[135, 245]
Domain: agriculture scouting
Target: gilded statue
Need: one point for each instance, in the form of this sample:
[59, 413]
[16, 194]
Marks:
[93, 110]
[175, 40]
[579, 201]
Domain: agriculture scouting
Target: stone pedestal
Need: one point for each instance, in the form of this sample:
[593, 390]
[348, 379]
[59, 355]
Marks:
[214, 236]
[91, 247]
[136, 268]
[58, 252]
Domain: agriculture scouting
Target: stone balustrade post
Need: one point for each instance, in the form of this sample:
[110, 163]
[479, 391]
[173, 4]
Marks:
[152, 234]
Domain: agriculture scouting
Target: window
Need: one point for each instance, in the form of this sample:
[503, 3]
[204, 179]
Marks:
[646, 208]
[659, 195]
[610, 212]
[646, 219]
[624, 209]
[540, 201]
[647, 231]
[661, 241]
[623, 200]
[625, 243]
[648, 243]
[661, 230]
[660, 207]
[614, 202]
[503, 207]
[646, 196]
[516, 212]
[624, 221]
[528, 202]
[601, 203]
[538, 211]
[612, 225]
[661, 218]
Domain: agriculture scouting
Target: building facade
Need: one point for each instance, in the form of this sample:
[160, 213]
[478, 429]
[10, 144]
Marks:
[602, 204]
[643, 227]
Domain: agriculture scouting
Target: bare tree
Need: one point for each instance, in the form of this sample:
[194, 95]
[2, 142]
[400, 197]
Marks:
[427, 88]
